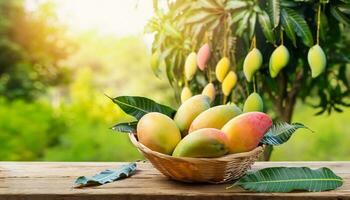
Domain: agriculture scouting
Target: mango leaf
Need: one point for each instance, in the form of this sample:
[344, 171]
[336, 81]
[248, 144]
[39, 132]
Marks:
[107, 176]
[265, 24]
[126, 127]
[139, 106]
[274, 8]
[287, 179]
[235, 4]
[280, 133]
[300, 26]
[252, 22]
[341, 17]
[288, 27]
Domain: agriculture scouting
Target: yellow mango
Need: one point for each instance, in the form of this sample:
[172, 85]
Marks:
[229, 82]
[185, 94]
[190, 66]
[317, 60]
[189, 110]
[253, 103]
[203, 143]
[209, 90]
[252, 63]
[158, 132]
[222, 68]
[278, 60]
[215, 117]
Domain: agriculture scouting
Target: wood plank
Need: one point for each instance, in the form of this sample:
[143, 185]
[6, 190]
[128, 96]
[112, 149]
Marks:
[54, 180]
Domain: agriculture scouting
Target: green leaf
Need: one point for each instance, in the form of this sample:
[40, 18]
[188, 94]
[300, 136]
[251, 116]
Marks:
[107, 176]
[274, 8]
[242, 25]
[300, 26]
[139, 106]
[234, 4]
[287, 179]
[280, 133]
[340, 16]
[126, 127]
[288, 27]
[252, 22]
[265, 24]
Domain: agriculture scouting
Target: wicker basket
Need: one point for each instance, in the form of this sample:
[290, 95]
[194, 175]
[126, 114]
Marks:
[209, 170]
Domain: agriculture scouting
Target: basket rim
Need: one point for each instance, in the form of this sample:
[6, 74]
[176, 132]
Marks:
[227, 157]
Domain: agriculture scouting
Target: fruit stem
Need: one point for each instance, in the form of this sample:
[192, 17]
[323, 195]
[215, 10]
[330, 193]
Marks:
[224, 53]
[281, 35]
[318, 23]
[254, 84]
[224, 99]
[209, 75]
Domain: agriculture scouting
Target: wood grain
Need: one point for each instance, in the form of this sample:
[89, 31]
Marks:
[54, 180]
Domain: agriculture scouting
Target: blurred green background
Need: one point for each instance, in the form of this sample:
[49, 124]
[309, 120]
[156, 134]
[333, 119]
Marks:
[55, 70]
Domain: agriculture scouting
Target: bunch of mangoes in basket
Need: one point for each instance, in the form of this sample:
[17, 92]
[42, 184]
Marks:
[201, 131]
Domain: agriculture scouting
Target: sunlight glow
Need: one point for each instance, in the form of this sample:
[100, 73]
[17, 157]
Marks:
[117, 17]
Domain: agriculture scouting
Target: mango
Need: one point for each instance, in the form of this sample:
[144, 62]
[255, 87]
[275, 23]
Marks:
[185, 94]
[190, 66]
[278, 60]
[203, 143]
[245, 131]
[229, 82]
[252, 63]
[215, 117]
[222, 68]
[253, 103]
[209, 90]
[203, 56]
[189, 110]
[158, 132]
[317, 60]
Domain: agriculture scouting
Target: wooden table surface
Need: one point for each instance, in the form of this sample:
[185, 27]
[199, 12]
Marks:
[54, 180]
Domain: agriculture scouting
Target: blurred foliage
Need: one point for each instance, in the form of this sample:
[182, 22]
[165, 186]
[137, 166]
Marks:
[32, 44]
[230, 27]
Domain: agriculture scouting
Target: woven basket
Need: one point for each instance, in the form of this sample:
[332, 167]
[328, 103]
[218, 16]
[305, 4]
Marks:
[208, 170]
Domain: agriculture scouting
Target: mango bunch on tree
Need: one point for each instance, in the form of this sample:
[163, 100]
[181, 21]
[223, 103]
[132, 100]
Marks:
[261, 55]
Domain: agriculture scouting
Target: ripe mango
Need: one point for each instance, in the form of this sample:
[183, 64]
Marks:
[189, 110]
[203, 143]
[229, 82]
[185, 94]
[252, 63]
[158, 132]
[209, 90]
[253, 103]
[278, 60]
[245, 131]
[317, 60]
[222, 68]
[203, 56]
[215, 117]
[190, 66]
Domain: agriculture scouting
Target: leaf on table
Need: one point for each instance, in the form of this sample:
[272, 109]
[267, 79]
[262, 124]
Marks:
[125, 127]
[280, 133]
[287, 179]
[106, 176]
[139, 106]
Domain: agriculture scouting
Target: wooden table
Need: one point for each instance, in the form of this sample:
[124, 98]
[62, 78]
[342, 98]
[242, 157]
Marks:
[45, 180]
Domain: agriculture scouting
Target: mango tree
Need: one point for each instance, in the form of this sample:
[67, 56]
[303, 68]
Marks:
[259, 54]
